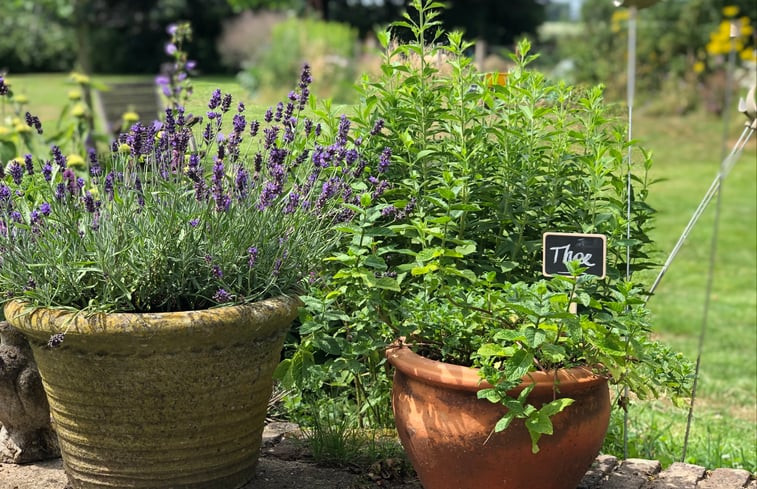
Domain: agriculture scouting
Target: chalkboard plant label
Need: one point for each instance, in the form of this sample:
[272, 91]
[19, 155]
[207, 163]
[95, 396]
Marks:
[589, 249]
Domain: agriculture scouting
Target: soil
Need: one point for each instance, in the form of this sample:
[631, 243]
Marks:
[285, 463]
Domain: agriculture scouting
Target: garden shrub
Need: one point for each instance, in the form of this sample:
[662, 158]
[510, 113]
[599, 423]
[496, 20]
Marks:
[478, 173]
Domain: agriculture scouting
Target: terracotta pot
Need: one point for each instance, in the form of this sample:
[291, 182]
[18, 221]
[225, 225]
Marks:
[444, 427]
[163, 400]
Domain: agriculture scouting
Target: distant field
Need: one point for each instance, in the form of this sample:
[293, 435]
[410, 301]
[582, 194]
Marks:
[687, 153]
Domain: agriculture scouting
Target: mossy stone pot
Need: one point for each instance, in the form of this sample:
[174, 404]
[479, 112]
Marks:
[159, 400]
[447, 431]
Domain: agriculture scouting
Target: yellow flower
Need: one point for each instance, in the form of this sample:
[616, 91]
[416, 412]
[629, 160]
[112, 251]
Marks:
[4, 131]
[93, 191]
[124, 148]
[746, 29]
[80, 78]
[75, 161]
[21, 127]
[619, 15]
[730, 11]
[79, 110]
[74, 95]
[748, 55]
[698, 67]
[130, 117]
[21, 99]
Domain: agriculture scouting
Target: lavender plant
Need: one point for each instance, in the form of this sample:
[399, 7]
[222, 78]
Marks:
[170, 220]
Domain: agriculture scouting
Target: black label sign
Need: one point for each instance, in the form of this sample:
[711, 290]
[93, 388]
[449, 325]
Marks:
[589, 249]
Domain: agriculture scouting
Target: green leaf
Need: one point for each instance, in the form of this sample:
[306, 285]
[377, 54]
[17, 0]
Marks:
[374, 261]
[491, 350]
[429, 254]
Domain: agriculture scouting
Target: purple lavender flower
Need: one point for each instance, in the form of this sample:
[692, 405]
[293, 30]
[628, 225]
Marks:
[207, 134]
[217, 272]
[278, 263]
[16, 172]
[240, 107]
[292, 203]
[58, 156]
[253, 252]
[384, 160]
[194, 222]
[109, 185]
[270, 136]
[389, 211]
[222, 296]
[239, 123]
[254, 127]
[292, 96]
[35, 218]
[258, 162]
[268, 117]
[44, 208]
[305, 78]
[222, 201]
[193, 168]
[29, 164]
[170, 49]
[215, 99]
[226, 103]
[94, 165]
[5, 194]
[172, 29]
[60, 191]
[288, 111]
[410, 206]
[380, 189]
[3, 87]
[191, 65]
[47, 171]
[377, 127]
[33, 121]
[15, 216]
[279, 112]
[343, 130]
[242, 182]
[308, 126]
[89, 202]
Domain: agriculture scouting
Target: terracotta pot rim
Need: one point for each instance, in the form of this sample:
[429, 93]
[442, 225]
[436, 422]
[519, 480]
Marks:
[39, 319]
[457, 377]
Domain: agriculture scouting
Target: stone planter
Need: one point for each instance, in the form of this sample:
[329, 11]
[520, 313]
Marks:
[448, 435]
[161, 400]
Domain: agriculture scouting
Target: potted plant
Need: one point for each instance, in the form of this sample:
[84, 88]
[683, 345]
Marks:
[156, 289]
[450, 260]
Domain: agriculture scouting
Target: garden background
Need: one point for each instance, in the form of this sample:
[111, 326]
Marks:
[251, 48]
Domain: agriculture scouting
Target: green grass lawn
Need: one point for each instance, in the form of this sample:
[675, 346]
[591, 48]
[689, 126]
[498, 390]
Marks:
[687, 154]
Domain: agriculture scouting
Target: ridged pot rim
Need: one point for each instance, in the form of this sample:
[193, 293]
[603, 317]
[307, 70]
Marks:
[457, 377]
[37, 320]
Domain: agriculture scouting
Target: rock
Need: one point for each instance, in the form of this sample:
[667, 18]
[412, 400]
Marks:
[678, 476]
[632, 473]
[26, 434]
[725, 479]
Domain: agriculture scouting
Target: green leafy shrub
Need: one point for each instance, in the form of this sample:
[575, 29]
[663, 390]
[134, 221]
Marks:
[479, 172]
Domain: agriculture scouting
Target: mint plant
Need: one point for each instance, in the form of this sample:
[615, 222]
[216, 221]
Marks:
[449, 257]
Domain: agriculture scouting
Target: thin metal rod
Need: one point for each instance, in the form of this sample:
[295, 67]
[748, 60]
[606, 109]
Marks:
[630, 89]
[725, 169]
